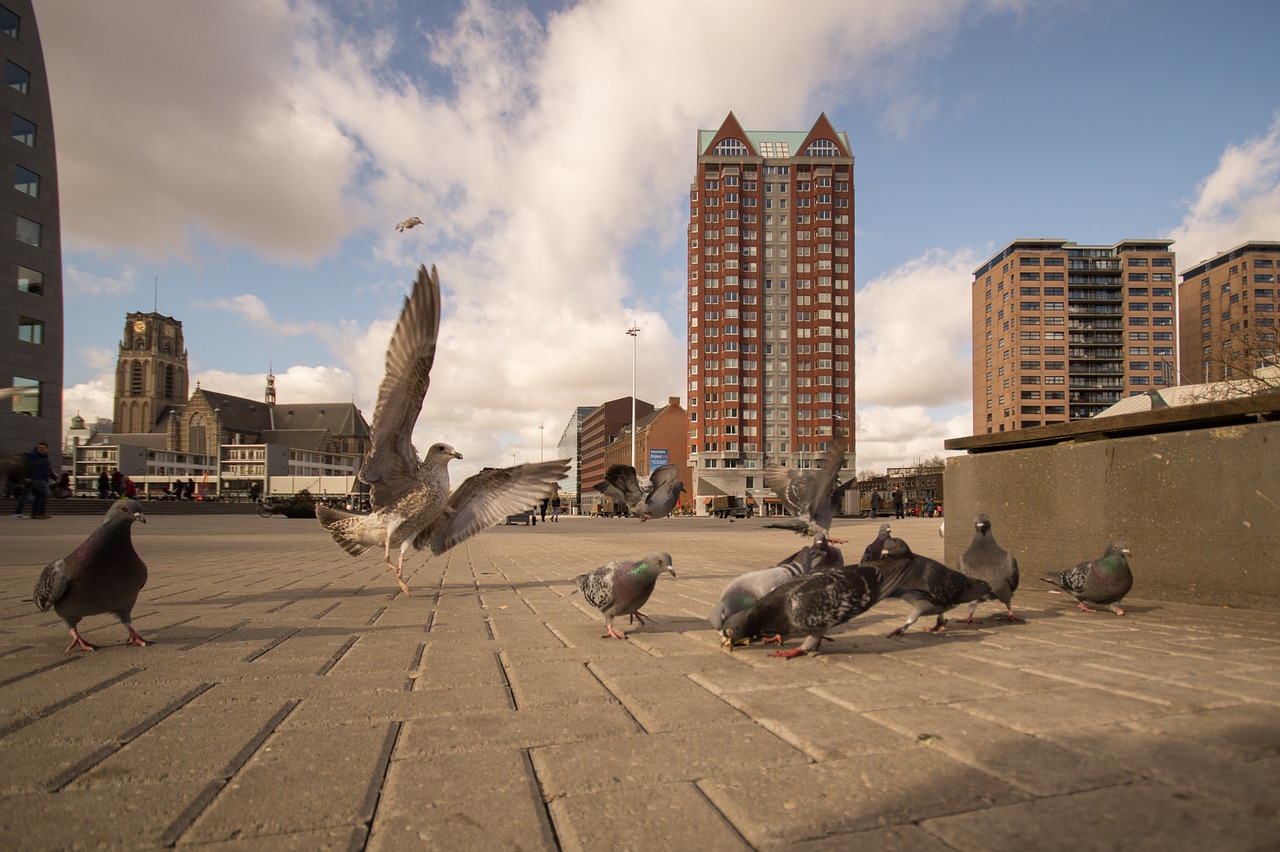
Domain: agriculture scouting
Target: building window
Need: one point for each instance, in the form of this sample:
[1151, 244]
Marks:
[27, 401]
[30, 330]
[16, 77]
[27, 231]
[22, 130]
[731, 148]
[822, 148]
[9, 22]
[30, 281]
[27, 181]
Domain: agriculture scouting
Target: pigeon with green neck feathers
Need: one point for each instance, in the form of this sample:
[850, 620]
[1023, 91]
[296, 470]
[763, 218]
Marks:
[1105, 580]
[751, 587]
[622, 587]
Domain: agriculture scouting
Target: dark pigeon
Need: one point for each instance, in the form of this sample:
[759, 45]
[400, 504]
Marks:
[623, 586]
[751, 587]
[814, 604]
[621, 482]
[986, 560]
[807, 494]
[413, 506]
[104, 574]
[875, 548]
[931, 587]
[1105, 580]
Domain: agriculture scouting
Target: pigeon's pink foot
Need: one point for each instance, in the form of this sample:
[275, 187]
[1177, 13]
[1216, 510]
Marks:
[136, 638]
[637, 616]
[776, 639]
[969, 619]
[1011, 618]
[788, 655]
[898, 632]
[937, 628]
[1117, 610]
[78, 643]
[1085, 608]
[612, 634]
[838, 541]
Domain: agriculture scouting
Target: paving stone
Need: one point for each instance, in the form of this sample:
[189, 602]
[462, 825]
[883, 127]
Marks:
[639, 761]
[554, 684]
[1144, 815]
[897, 838]
[77, 819]
[814, 725]
[911, 691]
[1062, 710]
[1030, 764]
[1247, 731]
[670, 702]
[667, 816]
[355, 708]
[326, 772]
[789, 805]
[523, 729]
[1169, 695]
[483, 799]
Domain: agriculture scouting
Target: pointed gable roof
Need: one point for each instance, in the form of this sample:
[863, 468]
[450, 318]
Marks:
[729, 129]
[822, 129]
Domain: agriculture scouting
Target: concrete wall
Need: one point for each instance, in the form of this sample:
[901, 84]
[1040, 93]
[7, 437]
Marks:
[1200, 510]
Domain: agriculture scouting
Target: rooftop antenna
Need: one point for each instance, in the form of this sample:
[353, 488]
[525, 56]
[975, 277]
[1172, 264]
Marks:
[155, 303]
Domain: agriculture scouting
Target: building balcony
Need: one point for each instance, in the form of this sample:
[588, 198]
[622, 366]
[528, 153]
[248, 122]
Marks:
[1109, 295]
[1096, 368]
[1077, 308]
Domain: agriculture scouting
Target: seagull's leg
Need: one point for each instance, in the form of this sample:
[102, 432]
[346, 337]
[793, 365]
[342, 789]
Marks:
[78, 643]
[1085, 608]
[400, 567]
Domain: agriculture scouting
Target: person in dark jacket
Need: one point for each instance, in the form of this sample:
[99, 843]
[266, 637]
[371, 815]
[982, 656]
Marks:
[40, 471]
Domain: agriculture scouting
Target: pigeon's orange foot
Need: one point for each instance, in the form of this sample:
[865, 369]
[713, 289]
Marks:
[136, 638]
[969, 619]
[937, 628]
[1011, 618]
[897, 632]
[1117, 610]
[612, 634]
[776, 639]
[1085, 608]
[78, 643]
[788, 655]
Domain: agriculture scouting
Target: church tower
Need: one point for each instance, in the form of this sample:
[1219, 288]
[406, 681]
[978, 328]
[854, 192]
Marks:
[151, 371]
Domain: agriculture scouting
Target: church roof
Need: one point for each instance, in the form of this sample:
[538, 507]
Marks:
[339, 418]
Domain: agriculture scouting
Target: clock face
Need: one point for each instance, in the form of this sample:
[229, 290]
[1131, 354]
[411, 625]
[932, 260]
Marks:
[139, 326]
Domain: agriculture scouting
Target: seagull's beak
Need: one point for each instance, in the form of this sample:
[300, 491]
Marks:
[138, 516]
[457, 455]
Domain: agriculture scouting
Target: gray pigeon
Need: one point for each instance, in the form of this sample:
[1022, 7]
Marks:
[876, 548]
[623, 586]
[411, 503]
[751, 587]
[986, 560]
[814, 604]
[1105, 580]
[931, 587]
[664, 490]
[104, 574]
[806, 495]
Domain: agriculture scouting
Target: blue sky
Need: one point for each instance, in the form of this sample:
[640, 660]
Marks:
[549, 149]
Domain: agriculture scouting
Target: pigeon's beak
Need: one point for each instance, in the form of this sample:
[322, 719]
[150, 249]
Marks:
[671, 571]
[1125, 551]
[138, 516]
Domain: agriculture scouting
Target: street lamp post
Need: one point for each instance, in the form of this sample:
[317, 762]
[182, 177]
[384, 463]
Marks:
[634, 331]
[540, 457]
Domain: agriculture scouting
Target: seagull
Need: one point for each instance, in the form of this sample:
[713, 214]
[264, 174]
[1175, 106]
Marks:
[411, 501]
[408, 223]
[807, 494]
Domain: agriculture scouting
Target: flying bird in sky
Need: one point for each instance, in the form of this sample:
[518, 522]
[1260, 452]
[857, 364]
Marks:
[408, 223]
[411, 501]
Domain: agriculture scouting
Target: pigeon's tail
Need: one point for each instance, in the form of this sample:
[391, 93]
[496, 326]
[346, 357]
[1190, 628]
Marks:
[1055, 578]
[891, 574]
[345, 528]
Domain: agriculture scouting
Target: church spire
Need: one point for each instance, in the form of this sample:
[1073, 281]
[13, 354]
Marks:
[271, 385]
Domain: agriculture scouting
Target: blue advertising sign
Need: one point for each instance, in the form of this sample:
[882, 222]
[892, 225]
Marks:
[657, 458]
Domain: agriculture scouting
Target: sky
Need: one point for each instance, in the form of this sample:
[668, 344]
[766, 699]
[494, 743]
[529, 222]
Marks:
[241, 165]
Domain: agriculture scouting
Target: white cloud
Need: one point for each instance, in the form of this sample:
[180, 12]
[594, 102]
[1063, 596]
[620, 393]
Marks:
[894, 436]
[77, 282]
[1238, 202]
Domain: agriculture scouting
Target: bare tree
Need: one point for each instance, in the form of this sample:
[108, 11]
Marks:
[1241, 362]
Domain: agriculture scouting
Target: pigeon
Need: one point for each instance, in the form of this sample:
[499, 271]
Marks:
[623, 586]
[104, 574]
[874, 549]
[814, 604]
[752, 586]
[1104, 580]
[807, 494]
[931, 588]
[408, 223]
[620, 481]
[411, 502]
[986, 560]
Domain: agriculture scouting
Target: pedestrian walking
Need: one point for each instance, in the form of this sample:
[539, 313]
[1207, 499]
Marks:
[898, 510]
[39, 472]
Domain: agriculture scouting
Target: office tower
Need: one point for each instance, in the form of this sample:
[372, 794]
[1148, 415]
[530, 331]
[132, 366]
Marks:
[770, 302]
[1227, 313]
[1062, 331]
[30, 244]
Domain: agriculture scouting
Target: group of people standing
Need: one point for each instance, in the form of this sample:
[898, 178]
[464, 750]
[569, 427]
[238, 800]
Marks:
[926, 509]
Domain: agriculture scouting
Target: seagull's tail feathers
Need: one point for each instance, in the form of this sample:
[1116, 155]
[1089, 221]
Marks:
[350, 531]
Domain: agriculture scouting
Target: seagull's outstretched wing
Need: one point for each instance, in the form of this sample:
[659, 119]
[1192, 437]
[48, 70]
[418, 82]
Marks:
[391, 464]
[487, 498]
